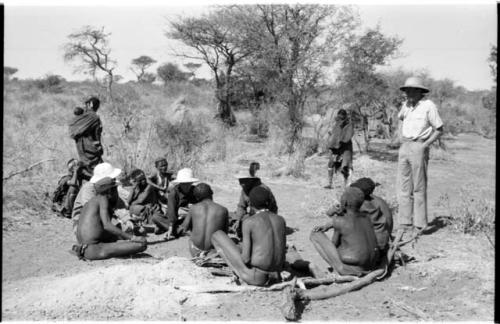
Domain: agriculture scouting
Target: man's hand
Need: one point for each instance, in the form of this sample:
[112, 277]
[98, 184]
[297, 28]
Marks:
[138, 239]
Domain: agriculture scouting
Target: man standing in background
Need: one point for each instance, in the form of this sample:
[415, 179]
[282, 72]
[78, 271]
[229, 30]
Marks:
[421, 126]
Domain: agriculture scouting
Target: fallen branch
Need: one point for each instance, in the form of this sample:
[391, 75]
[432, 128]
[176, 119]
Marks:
[25, 170]
[333, 291]
[216, 289]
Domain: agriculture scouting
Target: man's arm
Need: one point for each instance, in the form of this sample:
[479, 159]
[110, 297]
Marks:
[434, 136]
[246, 248]
[186, 224]
[402, 112]
[273, 207]
[106, 220]
[436, 123]
[241, 209]
[150, 182]
[131, 196]
[143, 197]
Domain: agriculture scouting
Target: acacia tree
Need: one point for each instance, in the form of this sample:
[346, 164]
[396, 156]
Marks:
[89, 47]
[359, 85]
[216, 42]
[170, 72]
[139, 67]
[291, 47]
[8, 72]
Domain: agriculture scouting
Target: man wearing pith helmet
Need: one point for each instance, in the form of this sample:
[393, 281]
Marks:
[421, 126]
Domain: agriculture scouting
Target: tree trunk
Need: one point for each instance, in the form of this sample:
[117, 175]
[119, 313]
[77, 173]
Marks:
[366, 134]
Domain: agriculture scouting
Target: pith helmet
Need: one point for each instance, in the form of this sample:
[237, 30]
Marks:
[414, 82]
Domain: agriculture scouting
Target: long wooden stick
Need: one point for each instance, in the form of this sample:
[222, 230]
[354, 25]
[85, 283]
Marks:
[25, 170]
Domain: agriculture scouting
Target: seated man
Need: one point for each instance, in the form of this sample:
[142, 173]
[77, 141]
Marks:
[204, 218]
[262, 257]
[181, 196]
[247, 183]
[353, 249]
[378, 211]
[87, 191]
[160, 181]
[142, 202]
[97, 237]
[67, 189]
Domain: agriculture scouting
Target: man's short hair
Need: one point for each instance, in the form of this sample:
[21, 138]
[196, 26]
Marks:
[259, 197]
[102, 186]
[160, 160]
[366, 185]
[342, 112]
[202, 191]
[136, 173]
[352, 197]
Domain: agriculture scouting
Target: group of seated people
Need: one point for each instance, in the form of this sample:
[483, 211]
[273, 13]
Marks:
[251, 240]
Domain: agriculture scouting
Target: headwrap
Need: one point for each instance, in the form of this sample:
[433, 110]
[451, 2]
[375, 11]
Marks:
[104, 184]
[160, 159]
[202, 191]
[352, 197]
[259, 197]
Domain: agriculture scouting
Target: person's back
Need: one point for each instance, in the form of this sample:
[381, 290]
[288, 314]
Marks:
[267, 231]
[207, 217]
[358, 243]
[90, 228]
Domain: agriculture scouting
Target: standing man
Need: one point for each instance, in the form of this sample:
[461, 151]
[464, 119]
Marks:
[421, 126]
[340, 147]
[86, 130]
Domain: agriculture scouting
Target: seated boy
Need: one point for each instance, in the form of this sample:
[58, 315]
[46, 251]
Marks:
[353, 249]
[160, 181]
[262, 257]
[97, 237]
[142, 201]
[204, 218]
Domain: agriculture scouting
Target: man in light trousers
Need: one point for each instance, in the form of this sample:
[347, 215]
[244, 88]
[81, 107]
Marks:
[421, 126]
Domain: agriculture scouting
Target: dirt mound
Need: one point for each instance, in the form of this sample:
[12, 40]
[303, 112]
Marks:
[142, 291]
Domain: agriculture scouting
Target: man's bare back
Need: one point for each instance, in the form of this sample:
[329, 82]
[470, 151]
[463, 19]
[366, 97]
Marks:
[207, 217]
[90, 227]
[264, 241]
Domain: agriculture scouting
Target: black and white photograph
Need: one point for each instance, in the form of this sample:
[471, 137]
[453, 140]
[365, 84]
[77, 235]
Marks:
[330, 161]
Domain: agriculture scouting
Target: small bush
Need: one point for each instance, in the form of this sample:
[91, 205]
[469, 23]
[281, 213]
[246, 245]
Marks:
[471, 214]
[50, 84]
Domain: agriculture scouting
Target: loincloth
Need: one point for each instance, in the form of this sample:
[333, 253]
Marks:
[195, 251]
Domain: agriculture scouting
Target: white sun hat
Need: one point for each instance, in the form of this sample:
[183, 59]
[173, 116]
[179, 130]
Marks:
[103, 170]
[185, 175]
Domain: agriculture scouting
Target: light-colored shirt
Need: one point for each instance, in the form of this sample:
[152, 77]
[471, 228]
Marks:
[419, 121]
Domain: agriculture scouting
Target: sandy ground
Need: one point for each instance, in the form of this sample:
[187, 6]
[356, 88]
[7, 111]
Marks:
[452, 277]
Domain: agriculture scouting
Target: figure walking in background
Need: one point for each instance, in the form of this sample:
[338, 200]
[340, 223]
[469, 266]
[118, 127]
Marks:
[86, 129]
[340, 147]
[421, 126]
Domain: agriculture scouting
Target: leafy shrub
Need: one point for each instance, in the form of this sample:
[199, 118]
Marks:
[472, 214]
[50, 84]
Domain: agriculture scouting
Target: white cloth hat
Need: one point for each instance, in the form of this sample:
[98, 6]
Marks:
[103, 170]
[184, 175]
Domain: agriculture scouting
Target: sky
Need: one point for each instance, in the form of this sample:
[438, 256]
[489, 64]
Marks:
[449, 40]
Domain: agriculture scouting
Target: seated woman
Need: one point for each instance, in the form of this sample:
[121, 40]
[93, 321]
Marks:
[353, 249]
[262, 256]
[97, 237]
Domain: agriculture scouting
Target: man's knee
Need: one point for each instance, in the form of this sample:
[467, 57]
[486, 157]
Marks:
[316, 236]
